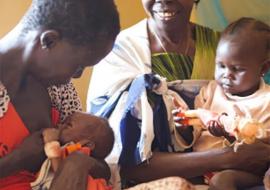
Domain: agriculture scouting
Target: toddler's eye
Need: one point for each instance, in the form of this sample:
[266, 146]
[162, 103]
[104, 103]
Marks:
[220, 65]
[238, 69]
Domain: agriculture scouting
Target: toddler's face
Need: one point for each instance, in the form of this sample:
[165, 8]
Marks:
[240, 63]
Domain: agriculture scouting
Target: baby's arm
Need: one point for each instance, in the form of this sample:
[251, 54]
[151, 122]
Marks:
[52, 146]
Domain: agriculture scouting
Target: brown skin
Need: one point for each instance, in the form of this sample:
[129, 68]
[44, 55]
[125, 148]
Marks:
[38, 59]
[77, 128]
[80, 128]
[175, 36]
[71, 165]
[175, 31]
[190, 165]
[240, 64]
[233, 180]
[83, 128]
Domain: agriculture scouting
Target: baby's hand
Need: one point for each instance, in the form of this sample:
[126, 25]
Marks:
[266, 180]
[50, 134]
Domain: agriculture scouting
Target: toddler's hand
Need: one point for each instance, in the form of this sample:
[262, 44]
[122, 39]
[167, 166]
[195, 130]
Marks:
[50, 134]
[179, 118]
[207, 117]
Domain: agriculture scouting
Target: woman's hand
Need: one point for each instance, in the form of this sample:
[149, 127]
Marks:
[183, 125]
[179, 118]
[32, 151]
[29, 155]
[50, 134]
[251, 157]
[73, 171]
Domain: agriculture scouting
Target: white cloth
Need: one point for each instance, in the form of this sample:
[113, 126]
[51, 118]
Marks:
[44, 178]
[129, 58]
[255, 106]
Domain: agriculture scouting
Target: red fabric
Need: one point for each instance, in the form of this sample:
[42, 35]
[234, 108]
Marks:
[97, 184]
[55, 116]
[12, 132]
[93, 184]
[18, 181]
[207, 177]
[75, 147]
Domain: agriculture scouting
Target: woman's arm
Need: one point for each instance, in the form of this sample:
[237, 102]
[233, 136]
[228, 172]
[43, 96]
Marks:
[28, 156]
[73, 171]
[189, 165]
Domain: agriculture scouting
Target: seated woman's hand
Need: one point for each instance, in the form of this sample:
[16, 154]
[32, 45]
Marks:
[79, 166]
[182, 126]
[253, 157]
[179, 118]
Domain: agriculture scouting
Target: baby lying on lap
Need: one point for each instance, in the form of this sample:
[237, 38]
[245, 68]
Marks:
[81, 132]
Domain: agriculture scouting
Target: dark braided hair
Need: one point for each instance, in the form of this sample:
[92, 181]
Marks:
[82, 22]
[247, 23]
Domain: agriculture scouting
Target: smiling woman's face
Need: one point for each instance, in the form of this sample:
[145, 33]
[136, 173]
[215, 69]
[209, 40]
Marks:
[165, 12]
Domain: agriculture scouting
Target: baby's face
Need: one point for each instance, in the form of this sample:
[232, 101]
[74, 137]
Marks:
[240, 64]
[78, 127]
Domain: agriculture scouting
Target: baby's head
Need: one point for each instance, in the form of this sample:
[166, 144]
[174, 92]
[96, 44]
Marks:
[90, 131]
[243, 56]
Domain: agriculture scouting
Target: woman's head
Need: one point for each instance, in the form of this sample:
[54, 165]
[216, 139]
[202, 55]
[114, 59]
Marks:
[168, 12]
[243, 56]
[70, 35]
[89, 130]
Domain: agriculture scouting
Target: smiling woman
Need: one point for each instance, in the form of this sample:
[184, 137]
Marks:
[46, 48]
[168, 44]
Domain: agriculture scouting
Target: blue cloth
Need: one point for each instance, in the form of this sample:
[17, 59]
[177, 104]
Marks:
[130, 131]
